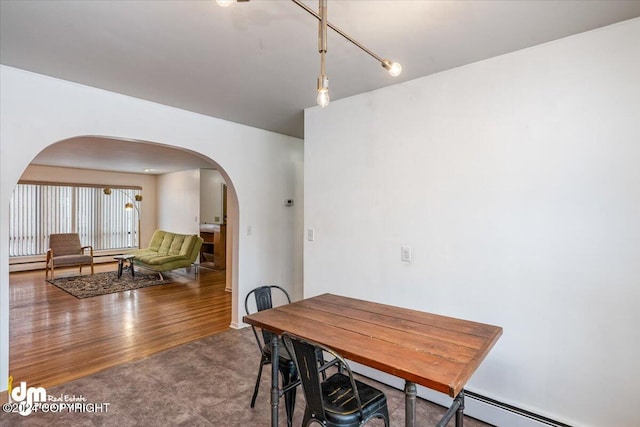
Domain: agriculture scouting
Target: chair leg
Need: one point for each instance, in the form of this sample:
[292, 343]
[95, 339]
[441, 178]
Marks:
[384, 414]
[290, 396]
[307, 418]
[255, 390]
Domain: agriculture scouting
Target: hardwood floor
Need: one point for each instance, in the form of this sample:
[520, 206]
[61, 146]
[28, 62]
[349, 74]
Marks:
[56, 338]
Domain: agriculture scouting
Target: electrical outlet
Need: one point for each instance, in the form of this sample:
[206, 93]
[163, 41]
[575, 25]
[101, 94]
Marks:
[405, 254]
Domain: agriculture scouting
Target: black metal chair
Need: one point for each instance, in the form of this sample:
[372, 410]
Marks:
[340, 400]
[286, 365]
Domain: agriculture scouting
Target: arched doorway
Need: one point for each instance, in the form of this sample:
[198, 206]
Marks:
[74, 338]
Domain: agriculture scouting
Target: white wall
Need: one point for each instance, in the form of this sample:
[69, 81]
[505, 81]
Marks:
[179, 202]
[260, 168]
[516, 182]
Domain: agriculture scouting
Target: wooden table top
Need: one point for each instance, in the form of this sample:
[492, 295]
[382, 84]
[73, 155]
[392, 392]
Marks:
[435, 351]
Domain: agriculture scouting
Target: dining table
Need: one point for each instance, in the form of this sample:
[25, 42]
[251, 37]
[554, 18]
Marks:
[432, 350]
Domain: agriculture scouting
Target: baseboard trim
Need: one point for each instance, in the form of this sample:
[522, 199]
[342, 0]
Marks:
[236, 325]
[476, 405]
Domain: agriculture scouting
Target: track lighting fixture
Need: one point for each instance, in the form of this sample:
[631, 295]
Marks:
[393, 68]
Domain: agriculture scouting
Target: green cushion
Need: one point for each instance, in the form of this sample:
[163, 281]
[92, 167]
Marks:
[165, 259]
[156, 240]
[166, 244]
[187, 245]
[176, 244]
[141, 252]
[146, 258]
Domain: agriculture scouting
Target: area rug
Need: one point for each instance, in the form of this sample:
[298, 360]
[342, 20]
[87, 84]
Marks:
[92, 285]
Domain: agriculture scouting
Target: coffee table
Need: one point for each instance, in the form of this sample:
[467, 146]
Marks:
[121, 260]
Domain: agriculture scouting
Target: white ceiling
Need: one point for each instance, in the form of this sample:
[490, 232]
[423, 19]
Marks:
[257, 63]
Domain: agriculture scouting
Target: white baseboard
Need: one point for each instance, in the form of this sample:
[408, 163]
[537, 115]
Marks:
[236, 325]
[480, 410]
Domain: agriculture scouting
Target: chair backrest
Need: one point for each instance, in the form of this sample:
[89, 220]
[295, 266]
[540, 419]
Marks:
[263, 301]
[306, 357]
[65, 244]
[310, 367]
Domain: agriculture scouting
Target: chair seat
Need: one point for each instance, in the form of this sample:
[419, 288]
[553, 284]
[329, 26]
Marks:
[72, 260]
[340, 405]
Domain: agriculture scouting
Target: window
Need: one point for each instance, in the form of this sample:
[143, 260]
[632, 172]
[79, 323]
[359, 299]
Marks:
[101, 220]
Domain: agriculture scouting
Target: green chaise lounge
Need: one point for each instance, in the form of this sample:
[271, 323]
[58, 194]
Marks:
[168, 251]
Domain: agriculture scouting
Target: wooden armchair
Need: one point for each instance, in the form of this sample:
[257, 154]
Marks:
[65, 251]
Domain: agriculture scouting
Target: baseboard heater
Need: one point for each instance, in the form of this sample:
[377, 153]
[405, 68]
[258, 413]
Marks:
[514, 410]
[477, 406]
[37, 262]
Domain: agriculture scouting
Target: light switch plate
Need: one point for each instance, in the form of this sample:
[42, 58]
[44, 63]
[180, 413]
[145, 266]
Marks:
[405, 254]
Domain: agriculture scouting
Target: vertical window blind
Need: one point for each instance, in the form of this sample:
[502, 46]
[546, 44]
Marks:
[39, 210]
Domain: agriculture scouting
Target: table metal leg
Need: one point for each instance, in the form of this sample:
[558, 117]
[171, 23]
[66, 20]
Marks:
[460, 411]
[274, 381]
[457, 409]
[410, 392]
[120, 265]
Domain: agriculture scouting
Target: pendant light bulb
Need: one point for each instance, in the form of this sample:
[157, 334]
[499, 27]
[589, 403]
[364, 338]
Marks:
[323, 97]
[323, 91]
[393, 68]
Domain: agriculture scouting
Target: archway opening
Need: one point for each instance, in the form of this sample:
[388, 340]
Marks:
[89, 335]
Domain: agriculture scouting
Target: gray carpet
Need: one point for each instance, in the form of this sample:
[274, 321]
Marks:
[208, 382]
[108, 282]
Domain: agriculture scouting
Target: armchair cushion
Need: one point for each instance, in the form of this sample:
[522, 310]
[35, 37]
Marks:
[64, 260]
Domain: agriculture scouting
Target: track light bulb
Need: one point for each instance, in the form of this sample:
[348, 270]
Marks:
[323, 91]
[393, 68]
[323, 97]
